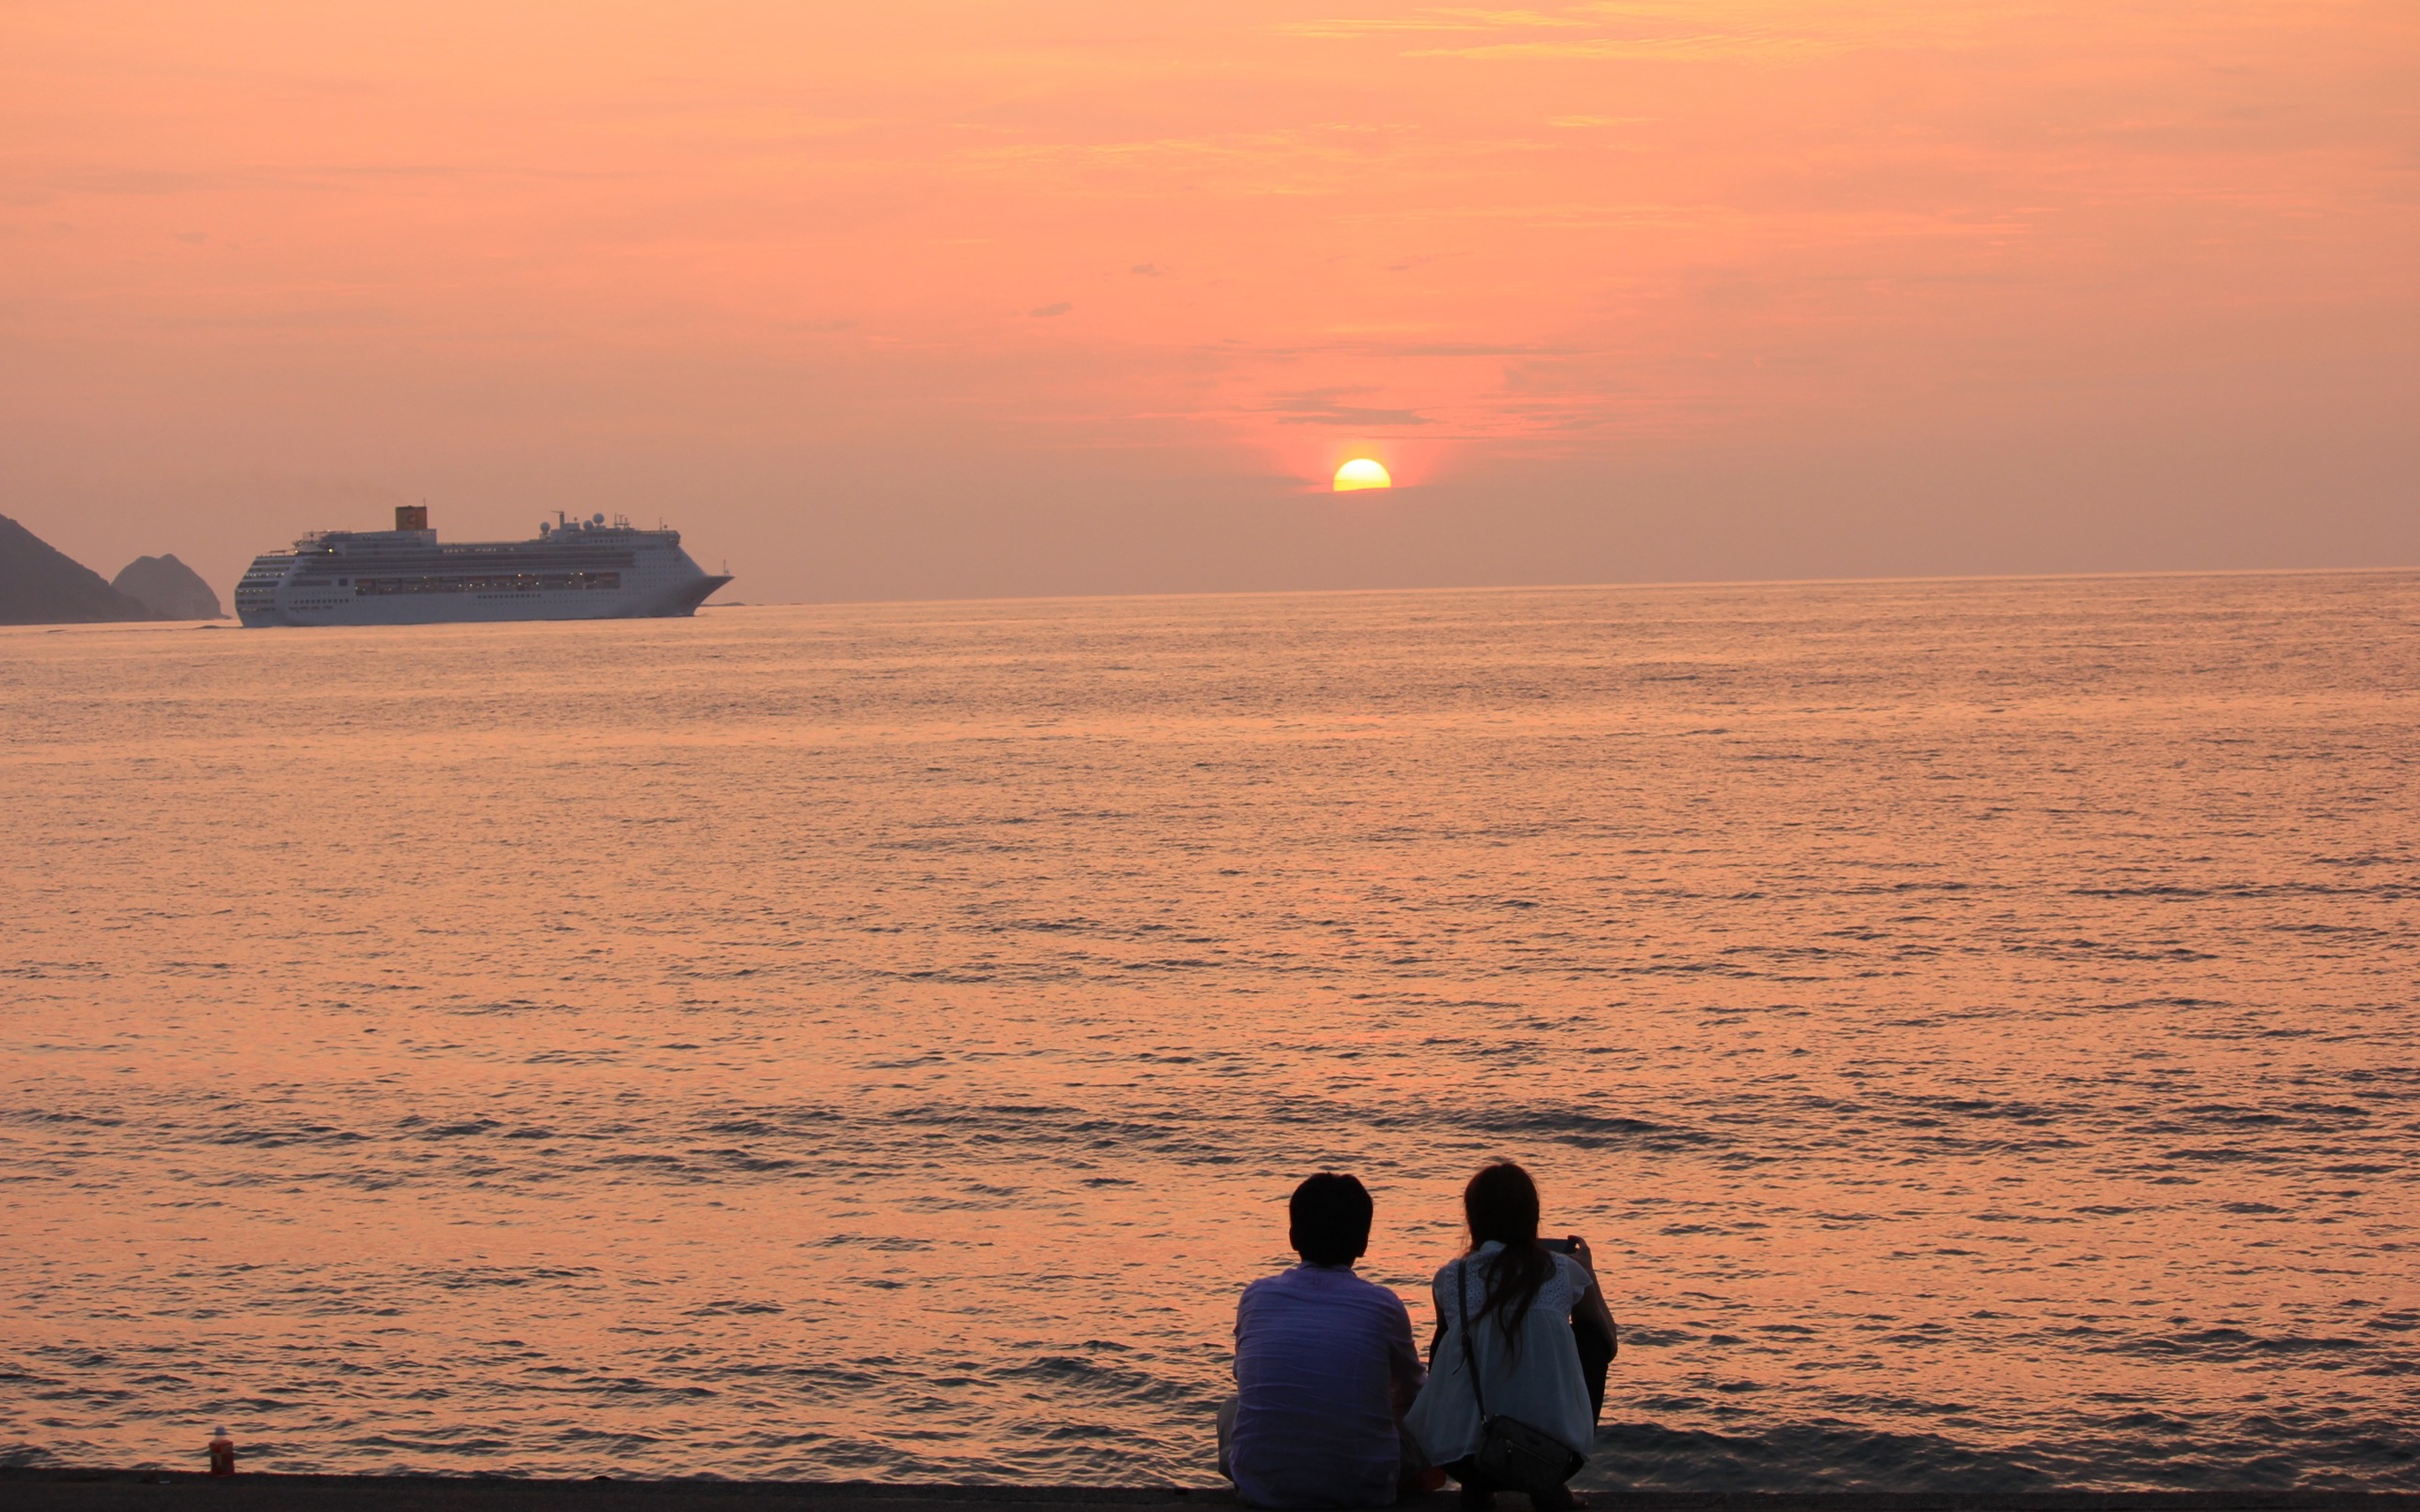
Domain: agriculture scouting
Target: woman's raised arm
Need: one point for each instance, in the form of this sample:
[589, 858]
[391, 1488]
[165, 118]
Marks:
[1592, 1307]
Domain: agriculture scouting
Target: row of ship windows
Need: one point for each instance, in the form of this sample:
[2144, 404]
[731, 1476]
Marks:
[504, 583]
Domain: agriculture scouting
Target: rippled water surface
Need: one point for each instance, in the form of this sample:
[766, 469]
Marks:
[1974, 1021]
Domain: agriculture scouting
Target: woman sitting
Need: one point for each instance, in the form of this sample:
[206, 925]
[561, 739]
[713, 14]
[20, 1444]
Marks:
[1520, 1313]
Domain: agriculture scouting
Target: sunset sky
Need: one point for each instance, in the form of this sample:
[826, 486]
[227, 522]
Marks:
[946, 299]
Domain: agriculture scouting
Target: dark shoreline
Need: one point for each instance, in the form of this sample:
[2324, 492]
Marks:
[59, 1490]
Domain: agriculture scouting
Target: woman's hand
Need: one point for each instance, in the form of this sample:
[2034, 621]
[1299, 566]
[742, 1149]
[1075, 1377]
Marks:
[1580, 1253]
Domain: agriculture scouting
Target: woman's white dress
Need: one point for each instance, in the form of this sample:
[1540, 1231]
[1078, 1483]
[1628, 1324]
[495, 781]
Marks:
[1541, 1384]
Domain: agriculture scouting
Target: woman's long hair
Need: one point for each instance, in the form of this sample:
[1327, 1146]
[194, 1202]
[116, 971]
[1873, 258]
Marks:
[1501, 1204]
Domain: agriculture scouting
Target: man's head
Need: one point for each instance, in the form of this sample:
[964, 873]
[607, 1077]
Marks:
[1330, 1219]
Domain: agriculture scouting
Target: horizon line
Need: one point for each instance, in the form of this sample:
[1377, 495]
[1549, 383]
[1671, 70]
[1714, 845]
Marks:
[1571, 587]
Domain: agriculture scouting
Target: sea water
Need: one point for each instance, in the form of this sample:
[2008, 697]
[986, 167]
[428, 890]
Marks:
[1974, 1022]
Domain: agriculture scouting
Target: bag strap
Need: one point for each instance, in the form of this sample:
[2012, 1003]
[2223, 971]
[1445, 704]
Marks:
[1469, 1356]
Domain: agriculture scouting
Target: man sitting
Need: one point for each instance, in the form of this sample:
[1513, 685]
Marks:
[1325, 1369]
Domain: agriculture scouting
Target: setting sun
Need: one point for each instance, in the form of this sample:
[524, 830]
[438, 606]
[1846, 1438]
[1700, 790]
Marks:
[1361, 473]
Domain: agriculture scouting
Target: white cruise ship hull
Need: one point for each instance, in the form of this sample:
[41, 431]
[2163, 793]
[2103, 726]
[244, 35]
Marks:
[578, 570]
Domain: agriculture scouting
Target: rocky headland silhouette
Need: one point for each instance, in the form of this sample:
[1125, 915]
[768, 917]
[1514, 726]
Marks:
[39, 584]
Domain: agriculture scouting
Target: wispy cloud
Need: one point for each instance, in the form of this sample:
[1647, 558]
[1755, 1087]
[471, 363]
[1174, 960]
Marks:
[1429, 19]
[1625, 30]
[1320, 407]
[1679, 45]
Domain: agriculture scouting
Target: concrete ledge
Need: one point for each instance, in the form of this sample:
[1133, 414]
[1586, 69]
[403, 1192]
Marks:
[130, 1490]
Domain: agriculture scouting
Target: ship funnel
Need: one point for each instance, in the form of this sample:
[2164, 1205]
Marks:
[412, 517]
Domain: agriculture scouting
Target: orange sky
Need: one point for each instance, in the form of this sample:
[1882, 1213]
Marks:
[947, 298]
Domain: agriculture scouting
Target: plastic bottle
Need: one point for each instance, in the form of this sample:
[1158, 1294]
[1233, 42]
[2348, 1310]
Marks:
[221, 1453]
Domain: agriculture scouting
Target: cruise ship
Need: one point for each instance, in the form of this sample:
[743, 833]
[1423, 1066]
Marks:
[576, 569]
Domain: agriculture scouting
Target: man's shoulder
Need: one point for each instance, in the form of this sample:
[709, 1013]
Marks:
[1260, 1289]
[1313, 1286]
[1363, 1289]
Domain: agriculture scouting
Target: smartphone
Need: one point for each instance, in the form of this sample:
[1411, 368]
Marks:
[1561, 1246]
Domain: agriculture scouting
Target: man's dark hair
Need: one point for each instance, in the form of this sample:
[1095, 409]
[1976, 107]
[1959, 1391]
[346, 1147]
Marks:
[1330, 1219]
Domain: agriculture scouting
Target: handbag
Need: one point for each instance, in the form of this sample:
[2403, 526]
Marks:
[1517, 1456]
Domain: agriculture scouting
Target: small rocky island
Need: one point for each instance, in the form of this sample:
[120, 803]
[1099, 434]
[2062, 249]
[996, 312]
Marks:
[168, 588]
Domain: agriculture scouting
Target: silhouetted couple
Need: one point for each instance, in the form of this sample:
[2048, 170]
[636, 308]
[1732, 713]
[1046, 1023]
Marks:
[1333, 1408]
